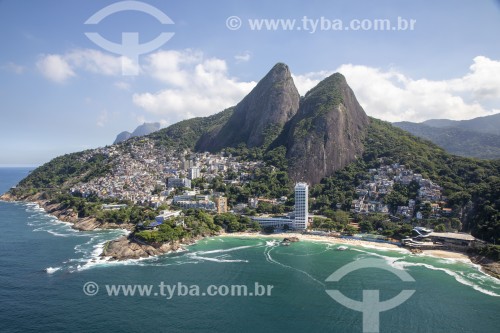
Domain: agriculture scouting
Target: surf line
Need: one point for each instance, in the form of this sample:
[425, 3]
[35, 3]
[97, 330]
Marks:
[267, 253]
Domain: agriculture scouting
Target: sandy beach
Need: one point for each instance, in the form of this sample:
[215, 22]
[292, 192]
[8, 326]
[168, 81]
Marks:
[446, 254]
[355, 242]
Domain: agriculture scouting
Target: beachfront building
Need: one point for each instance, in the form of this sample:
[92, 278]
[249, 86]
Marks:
[453, 239]
[301, 206]
[276, 222]
[298, 220]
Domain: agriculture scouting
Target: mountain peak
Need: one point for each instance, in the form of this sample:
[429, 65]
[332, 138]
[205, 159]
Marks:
[259, 118]
[281, 67]
[328, 128]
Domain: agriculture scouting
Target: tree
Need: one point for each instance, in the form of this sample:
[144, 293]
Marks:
[255, 226]
[456, 224]
[350, 230]
[426, 210]
[341, 217]
[330, 225]
[394, 200]
[403, 231]
[366, 226]
[440, 228]
[264, 207]
[317, 222]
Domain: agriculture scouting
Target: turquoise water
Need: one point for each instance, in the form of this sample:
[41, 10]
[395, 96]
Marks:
[44, 265]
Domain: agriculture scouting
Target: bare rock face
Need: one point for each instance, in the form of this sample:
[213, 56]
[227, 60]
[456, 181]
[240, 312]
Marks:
[326, 133]
[125, 248]
[259, 118]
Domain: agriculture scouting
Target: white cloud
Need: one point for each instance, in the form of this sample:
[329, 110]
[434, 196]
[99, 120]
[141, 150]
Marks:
[483, 81]
[243, 57]
[393, 96]
[59, 67]
[172, 67]
[197, 86]
[55, 68]
[306, 82]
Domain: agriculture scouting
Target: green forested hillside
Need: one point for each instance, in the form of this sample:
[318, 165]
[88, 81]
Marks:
[471, 185]
[187, 133]
[63, 171]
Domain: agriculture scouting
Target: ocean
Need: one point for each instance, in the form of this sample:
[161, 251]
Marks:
[49, 276]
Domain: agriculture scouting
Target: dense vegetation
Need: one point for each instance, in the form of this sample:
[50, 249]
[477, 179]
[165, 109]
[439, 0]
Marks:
[186, 133]
[472, 186]
[92, 207]
[196, 223]
[63, 171]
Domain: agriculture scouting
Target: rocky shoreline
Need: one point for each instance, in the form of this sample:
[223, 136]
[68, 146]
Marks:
[488, 265]
[67, 215]
[129, 247]
[123, 248]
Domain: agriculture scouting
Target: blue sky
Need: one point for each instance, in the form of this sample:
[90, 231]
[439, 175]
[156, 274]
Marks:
[60, 92]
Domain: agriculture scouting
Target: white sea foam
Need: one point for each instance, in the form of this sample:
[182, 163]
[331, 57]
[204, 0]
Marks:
[55, 233]
[459, 278]
[400, 263]
[385, 249]
[52, 270]
[226, 250]
[217, 259]
[200, 255]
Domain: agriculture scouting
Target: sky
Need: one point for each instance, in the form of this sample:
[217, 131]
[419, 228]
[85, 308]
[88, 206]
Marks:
[62, 92]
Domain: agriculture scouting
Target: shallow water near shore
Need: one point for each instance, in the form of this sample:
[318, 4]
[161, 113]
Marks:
[45, 264]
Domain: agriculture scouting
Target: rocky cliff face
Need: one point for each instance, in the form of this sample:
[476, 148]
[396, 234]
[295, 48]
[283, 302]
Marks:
[259, 118]
[326, 133]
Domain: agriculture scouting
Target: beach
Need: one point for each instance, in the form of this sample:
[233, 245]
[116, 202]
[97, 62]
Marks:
[354, 242]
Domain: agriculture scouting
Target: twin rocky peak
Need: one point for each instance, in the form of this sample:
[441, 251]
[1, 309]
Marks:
[322, 131]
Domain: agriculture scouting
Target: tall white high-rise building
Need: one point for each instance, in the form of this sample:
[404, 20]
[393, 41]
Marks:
[301, 206]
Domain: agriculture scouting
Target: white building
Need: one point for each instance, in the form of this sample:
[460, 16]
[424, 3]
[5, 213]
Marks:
[165, 215]
[300, 221]
[301, 206]
[276, 222]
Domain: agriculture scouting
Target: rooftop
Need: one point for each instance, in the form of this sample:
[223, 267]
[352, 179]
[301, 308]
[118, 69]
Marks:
[453, 235]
